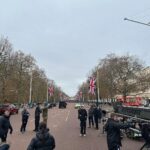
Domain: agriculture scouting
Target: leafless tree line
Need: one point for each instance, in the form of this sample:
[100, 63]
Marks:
[15, 74]
[119, 75]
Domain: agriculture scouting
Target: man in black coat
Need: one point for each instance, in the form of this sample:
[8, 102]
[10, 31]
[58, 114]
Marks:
[112, 128]
[82, 115]
[43, 140]
[90, 116]
[37, 117]
[5, 126]
[97, 116]
[25, 117]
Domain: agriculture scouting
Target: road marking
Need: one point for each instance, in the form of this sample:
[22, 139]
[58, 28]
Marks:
[67, 116]
[32, 120]
[55, 126]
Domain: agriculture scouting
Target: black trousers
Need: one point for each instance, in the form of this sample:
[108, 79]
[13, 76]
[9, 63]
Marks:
[91, 121]
[96, 122]
[37, 121]
[83, 127]
[23, 126]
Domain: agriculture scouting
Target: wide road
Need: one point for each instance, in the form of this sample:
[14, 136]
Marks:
[64, 126]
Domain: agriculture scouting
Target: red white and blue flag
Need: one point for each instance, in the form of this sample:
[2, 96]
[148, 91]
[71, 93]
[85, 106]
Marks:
[51, 90]
[92, 85]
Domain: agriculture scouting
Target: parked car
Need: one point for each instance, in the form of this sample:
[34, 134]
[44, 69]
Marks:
[50, 105]
[10, 107]
[62, 104]
[54, 104]
[78, 105]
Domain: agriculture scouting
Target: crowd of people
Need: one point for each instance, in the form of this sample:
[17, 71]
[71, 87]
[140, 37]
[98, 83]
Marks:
[94, 114]
[113, 127]
[43, 140]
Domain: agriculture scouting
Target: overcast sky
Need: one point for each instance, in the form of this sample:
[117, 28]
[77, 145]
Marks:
[68, 37]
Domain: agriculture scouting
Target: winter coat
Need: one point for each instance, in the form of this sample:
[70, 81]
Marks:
[91, 112]
[25, 116]
[97, 113]
[83, 115]
[37, 112]
[42, 141]
[4, 147]
[112, 128]
[146, 132]
[45, 112]
[5, 125]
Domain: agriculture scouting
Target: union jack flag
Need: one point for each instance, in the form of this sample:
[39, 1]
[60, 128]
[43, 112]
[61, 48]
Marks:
[80, 94]
[92, 85]
[51, 90]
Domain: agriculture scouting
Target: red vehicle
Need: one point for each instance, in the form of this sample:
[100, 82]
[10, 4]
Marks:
[10, 107]
[130, 100]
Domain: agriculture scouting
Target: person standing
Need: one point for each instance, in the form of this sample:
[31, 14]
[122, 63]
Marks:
[5, 126]
[99, 114]
[112, 128]
[83, 118]
[37, 116]
[90, 116]
[25, 117]
[43, 140]
[96, 117]
[45, 114]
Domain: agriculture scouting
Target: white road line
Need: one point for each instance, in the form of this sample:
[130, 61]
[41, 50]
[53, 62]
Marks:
[32, 120]
[55, 126]
[67, 116]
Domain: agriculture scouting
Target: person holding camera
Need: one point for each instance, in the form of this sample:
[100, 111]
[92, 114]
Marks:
[112, 128]
[145, 129]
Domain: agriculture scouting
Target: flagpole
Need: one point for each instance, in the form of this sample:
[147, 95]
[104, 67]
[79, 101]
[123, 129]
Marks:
[30, 92]
[97, 91]
[47, 91]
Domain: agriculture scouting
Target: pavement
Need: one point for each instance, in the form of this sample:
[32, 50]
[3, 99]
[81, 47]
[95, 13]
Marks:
[64, 126]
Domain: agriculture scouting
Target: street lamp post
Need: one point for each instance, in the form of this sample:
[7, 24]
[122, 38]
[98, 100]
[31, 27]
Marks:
[47, 91]
[97, 88]
[30, 92]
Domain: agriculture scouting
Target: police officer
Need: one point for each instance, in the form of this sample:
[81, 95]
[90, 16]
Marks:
[5, 126]
[37, 116]
[25, 117]
[112, 128]
[83, 117]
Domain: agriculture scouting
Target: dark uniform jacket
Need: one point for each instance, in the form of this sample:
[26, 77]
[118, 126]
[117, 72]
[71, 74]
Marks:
[37, 112]
[91, 112]
[97, 113]
[112, 128]
[4, 125]
[42, 141]
[82, 115]
[25, 116]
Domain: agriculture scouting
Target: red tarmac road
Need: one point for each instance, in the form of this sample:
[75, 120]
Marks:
[64, 126]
